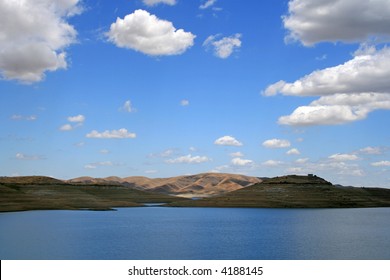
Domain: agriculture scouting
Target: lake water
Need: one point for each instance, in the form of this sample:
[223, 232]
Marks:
[197, 233]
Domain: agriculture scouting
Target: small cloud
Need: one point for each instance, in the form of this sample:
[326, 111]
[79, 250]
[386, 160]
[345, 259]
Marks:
[224, 47]
[184, 102]
[66, 127]
[207, 4]
[302, 160]
[165, 154]
[151, 3]
[293, 151]
[189, 159]
[276, 143]
[237, 154]
[104, 151]
[371, 151]
[343, 157]
[241, 162]
[24, 118]
[99, 164]
[322, 57]
[383, 163]
[113, 134]
[21, 156]
[272, 163]
[128, 107]
[77, 119]
[227, 141]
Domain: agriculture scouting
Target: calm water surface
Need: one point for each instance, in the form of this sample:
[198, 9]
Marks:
[197, 233]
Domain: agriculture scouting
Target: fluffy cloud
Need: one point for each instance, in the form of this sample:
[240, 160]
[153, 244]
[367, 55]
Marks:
[77, 119]
[276, 143]
[113, 134]
[293, 151]
[156, 2]
[332, 20]
[384, 163]
[207, 4]
[337, 109]
[33, 37]
[189, 159]
[349, 92]
[227, 141]
[368, 71]
[241, 162]
[150, 35]
[66, 127]
[343, 157]
[225, 46]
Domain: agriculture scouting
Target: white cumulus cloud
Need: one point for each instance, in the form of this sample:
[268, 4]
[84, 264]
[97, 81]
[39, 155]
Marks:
[227, 141]
[314, 21]
[343, 157]
[276, 143]
[33, 37]
[113, 134]
[224, 47]
[189, 159]
[150, 35]
[241, 162]
[293, 151]
[367, 71]
[77, 119]
[348, 92]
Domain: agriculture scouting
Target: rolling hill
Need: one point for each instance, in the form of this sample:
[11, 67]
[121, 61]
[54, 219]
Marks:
[296, 192]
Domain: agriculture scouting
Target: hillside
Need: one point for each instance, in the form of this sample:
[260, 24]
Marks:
[296, 192]
[200, 185]
[33, 193]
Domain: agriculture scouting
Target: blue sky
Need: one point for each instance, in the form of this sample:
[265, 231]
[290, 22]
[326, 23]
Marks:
[162, 88]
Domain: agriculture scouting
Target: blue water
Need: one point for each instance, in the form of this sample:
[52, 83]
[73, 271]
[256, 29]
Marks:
[197, 233]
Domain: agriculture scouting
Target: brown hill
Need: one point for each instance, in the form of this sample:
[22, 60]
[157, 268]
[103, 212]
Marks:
[40, 193]
[296, 192]
[205, 184]
[34, 180]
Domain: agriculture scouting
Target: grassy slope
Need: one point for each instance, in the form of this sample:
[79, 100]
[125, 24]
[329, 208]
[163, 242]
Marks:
[33, 196]
[296, 192]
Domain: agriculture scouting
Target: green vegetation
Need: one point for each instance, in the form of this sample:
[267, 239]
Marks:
[43, 193]
[296, 192]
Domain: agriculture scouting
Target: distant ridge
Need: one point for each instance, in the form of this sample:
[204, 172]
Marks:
[204, 184]
[36, 180]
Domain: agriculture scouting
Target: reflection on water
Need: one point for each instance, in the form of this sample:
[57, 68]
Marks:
[196, 233]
